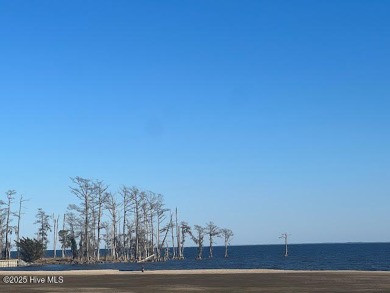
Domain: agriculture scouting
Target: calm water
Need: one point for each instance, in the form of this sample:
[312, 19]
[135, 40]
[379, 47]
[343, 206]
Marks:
[354, 256]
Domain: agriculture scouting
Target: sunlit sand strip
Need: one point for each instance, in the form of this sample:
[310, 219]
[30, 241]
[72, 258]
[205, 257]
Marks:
[181, 272]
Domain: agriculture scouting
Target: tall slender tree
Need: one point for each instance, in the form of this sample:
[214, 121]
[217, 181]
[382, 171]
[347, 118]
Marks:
[19, 216]
[172, 226]
[185, 229]
[55, 235]
[126, 205]
[43, 227]
[212, 231]
[113, 208]
[135, 199]
[2, 227]
[152, 212]
[227, 234]
[198, 239]
[100, 200]
[179, 251]
[8, 229]
[161, 216]
[83, 189]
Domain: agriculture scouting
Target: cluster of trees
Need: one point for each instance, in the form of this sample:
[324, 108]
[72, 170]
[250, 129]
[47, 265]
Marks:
[132, 224]
[6, 226]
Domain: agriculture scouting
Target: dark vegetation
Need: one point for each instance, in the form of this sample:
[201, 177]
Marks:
[30, 249]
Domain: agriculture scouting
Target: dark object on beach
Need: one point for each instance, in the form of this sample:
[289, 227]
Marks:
[142, 269]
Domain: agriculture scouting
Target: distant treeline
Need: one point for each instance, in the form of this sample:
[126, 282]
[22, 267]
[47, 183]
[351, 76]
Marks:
[132, 224]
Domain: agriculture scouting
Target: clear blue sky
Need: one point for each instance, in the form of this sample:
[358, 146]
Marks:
[262, 116]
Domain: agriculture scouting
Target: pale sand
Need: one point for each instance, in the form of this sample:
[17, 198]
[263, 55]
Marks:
[183, 272]
[266, 281]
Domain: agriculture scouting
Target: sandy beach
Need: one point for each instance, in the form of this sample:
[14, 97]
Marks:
[195, 281]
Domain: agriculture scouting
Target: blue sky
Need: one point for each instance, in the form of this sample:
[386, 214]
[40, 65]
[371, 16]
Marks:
[262, 116]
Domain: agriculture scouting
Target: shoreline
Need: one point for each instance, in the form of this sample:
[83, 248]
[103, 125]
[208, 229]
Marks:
[187, 272]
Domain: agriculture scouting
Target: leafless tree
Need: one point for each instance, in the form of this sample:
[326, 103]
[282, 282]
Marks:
[227, 234]
[179, 250]
[130, 247]
[63, 237]
[136, 204]
[8, 229]
[126, 205]
[212, 231]
[83, 189]
[198, 239]
[285, 237]
[43, 227]
[55, 231]
[161, 216]
[172, 226]
[137, 225]
[107, 237]
[113, 208]
[19, 215]
[185, 229]
[152, 202]
[74, 223]
[144, 223]
[99, 201]
[2, 227]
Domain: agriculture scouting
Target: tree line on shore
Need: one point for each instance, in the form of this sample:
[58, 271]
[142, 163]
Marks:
[132, 224]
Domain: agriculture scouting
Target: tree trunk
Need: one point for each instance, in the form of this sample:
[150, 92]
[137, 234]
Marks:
[173, 239]
[55, 229]
[64, 240]
[179, 254]
[18, 234]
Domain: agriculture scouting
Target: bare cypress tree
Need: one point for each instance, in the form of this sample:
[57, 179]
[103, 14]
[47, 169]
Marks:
[149, 210]
[73, 221]
[285, 237]
[152, 212]
[100, 199]
[126, 205]
[171, 226]
[136, 200]
[19, 215]
[145, 223]
[8, 228]
[2, 227]
[92, 227]
[179, 251]
[83, 190]
[55, 231]
[113, 208]
[164, 242]
[63, 237]
[75, 225]
[130, 243]
[227, 234]
[185, 229]
[198, 239]
[160, 212]
[107, 238]
[43, 227]
[212, 231]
